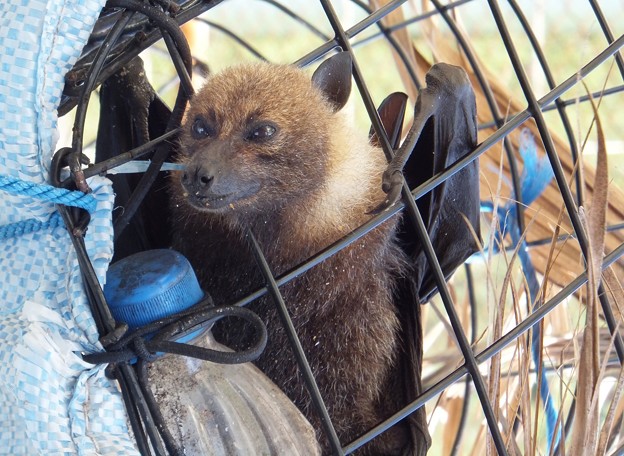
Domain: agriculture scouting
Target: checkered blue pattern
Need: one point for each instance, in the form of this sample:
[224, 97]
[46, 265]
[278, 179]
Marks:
[51, 402]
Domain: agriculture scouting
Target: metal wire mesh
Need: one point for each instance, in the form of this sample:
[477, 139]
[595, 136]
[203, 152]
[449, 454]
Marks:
[127, 36]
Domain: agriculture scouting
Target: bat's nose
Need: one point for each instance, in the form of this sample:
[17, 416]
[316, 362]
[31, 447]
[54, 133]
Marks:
[197, 179]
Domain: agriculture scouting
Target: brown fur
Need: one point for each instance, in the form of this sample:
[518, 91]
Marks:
[303, 189]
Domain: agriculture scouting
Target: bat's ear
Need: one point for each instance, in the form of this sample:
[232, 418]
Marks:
[391, 113]
[333, 78]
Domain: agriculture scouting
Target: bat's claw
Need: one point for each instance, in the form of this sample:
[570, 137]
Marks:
[392, 183]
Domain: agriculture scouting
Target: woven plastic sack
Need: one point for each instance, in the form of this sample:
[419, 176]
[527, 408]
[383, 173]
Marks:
[51, 402]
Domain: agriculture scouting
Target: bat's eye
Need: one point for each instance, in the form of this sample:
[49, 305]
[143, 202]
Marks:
[261, 132]
[202, 129]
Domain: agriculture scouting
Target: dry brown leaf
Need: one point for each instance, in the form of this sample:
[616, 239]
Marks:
[613, 286]
[454, 408]
[618, 412]
[616, 293]
[586, 423]
[525, 398]
[514, 386]
[607, 427]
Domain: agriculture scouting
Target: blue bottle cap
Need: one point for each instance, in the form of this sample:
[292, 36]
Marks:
[150, 285]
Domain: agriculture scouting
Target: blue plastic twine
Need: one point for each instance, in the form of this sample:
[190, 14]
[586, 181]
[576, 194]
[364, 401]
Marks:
[46, 193]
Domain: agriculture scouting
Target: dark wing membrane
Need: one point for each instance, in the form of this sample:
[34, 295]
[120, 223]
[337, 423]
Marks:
[443, 131]
[446, 124]
[131, 114]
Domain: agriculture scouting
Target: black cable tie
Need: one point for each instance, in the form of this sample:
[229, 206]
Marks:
[140, 348]
[115, 335]
[160, 336]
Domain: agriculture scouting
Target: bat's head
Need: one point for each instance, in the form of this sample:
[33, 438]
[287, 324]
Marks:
[255, 136]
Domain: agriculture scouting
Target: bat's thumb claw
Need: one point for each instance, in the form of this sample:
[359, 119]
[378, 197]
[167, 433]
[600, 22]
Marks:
[379, 208]
[391, 178]
[393, 191]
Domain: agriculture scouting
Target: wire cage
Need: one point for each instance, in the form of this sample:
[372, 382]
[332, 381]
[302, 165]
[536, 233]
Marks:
[507, 338]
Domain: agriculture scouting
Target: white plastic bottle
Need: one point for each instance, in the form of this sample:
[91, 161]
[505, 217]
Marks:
[209, 408]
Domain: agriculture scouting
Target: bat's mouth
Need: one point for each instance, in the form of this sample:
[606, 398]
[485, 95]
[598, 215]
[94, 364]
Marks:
[209, 201]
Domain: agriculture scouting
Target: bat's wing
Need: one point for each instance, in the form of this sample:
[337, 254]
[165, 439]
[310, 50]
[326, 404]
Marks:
[131, 113]
[444, 131]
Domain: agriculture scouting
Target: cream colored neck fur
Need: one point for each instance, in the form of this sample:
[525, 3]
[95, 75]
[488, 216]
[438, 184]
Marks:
[352, 187]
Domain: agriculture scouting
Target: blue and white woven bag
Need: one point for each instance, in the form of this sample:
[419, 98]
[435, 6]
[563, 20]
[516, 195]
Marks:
[51, 402]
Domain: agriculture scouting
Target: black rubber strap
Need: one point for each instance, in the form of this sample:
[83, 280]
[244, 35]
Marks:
[160, 336]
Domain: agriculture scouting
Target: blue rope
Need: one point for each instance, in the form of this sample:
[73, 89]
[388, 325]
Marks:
[42, 192]
[48, 193]
[30, 226]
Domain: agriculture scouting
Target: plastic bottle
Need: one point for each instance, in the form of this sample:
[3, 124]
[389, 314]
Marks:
[209, 408]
